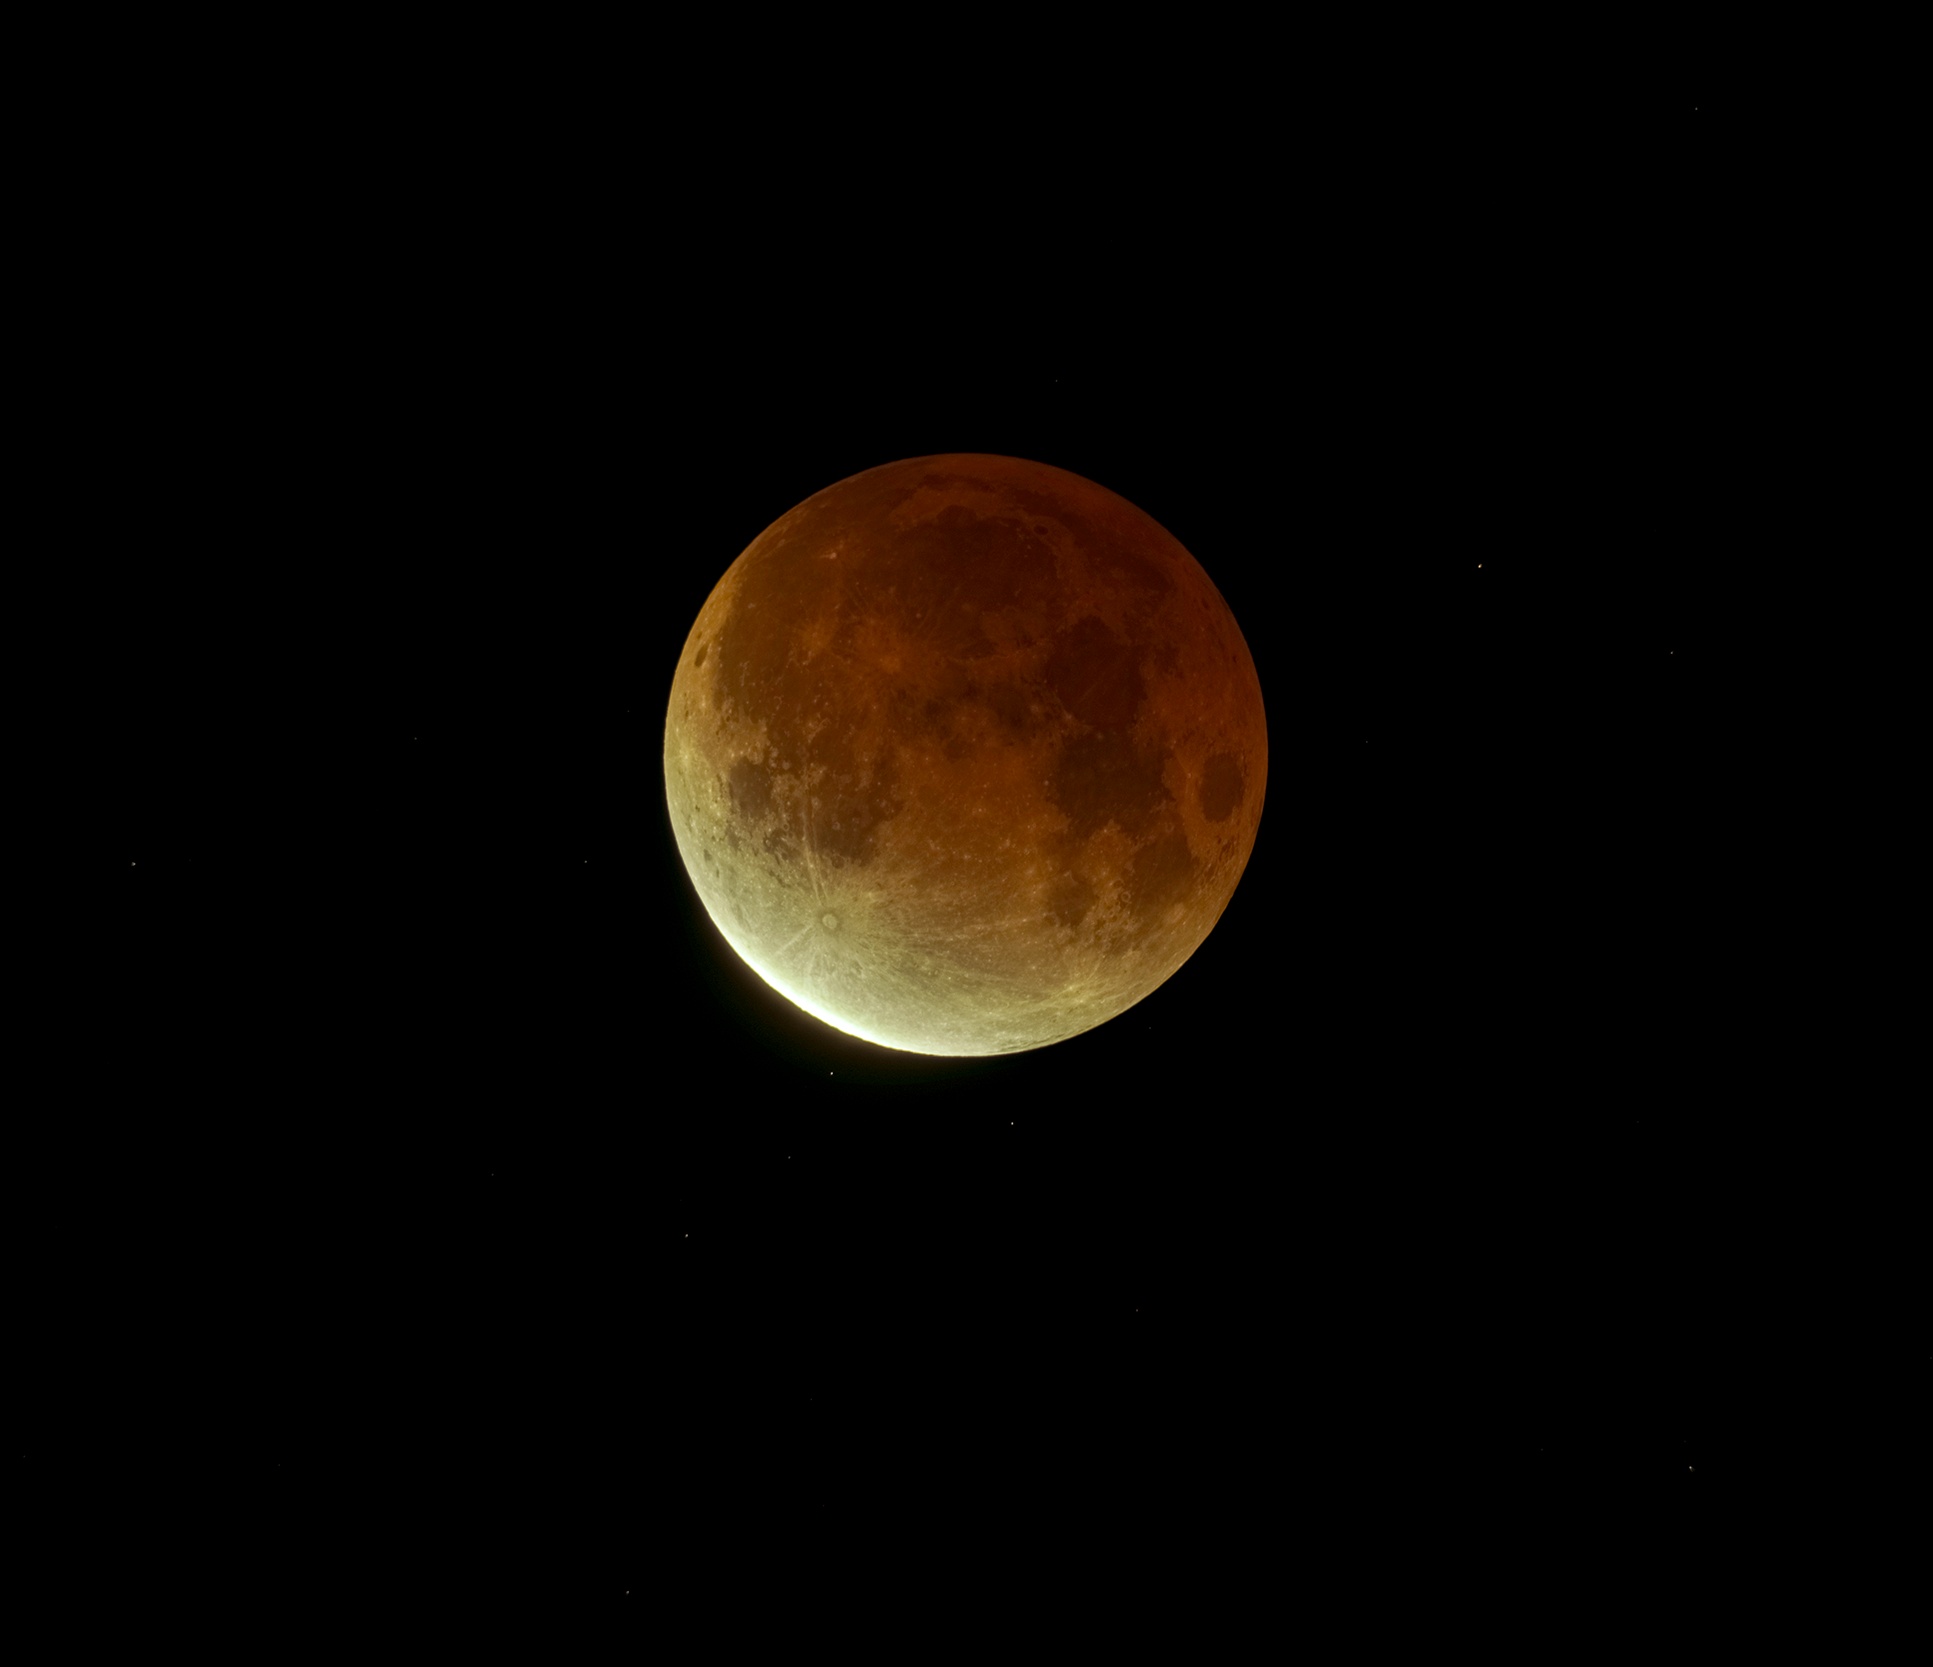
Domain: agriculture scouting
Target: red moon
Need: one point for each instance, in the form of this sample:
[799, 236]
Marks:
[965, 755]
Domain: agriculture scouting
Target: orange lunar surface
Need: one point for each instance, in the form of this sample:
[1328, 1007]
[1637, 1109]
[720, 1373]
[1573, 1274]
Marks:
[965, 755]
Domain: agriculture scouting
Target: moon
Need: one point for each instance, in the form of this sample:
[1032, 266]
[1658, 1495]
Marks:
[965, 755]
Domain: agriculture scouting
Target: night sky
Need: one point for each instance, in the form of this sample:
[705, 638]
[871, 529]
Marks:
[473, 1222]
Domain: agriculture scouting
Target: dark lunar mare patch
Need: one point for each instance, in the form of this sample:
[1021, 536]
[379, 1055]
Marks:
[1069, 900]
[850, 807]
[1222, 787]
[1163, 873]
[1009, 703]
[1115, 556]
[1096, 675]
[1103, 777]
[751, 789]
[939, 579]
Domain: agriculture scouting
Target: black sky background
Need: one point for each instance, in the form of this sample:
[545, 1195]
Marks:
[473, 1210]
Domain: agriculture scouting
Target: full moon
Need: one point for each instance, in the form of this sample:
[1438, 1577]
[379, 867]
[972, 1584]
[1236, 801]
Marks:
[965, 755]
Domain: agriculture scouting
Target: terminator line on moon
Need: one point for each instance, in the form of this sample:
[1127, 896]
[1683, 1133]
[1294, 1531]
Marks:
[965, 755]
